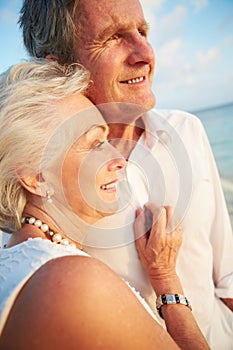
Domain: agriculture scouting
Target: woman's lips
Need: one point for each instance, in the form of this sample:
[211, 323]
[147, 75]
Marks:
[109, 187]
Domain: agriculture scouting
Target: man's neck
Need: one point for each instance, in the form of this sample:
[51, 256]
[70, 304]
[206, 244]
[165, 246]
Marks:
[124, 137]
[127, 132]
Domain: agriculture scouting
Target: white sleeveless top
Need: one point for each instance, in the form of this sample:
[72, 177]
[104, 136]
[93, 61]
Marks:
[20, 262]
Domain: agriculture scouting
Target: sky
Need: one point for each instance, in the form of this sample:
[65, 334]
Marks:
[193, 44]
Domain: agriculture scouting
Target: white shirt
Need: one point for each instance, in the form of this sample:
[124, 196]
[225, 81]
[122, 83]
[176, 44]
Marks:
[172, 164]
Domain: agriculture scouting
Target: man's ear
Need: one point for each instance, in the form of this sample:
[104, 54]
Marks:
[32, 183]
[51, 57]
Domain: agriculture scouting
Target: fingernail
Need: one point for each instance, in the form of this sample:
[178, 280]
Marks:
[138, 211]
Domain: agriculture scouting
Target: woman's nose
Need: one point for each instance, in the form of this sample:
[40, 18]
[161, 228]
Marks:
[117, 160]
[116, 164]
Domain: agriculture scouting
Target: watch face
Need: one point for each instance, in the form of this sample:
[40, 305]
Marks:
[171, 299]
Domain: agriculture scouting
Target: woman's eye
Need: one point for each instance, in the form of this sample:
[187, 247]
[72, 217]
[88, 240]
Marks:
[99, 144]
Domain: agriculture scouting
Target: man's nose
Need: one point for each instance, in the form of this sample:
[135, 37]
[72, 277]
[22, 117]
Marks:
[141, 50]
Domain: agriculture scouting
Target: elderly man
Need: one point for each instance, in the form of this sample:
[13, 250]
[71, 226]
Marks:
[169, 158]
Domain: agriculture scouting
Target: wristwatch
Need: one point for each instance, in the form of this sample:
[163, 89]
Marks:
[169, 299]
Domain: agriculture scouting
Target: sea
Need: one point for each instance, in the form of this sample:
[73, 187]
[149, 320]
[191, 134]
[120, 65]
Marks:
[218, 123]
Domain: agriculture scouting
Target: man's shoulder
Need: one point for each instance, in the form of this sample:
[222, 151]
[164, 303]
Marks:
[174, 117]
[177, 124]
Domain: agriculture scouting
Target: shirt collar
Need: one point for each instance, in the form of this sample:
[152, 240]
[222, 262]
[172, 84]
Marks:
[156, 129]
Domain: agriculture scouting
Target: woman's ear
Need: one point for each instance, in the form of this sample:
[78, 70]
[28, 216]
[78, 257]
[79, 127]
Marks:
[32, 183]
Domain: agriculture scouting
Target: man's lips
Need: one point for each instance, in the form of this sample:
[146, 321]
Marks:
[134, 80]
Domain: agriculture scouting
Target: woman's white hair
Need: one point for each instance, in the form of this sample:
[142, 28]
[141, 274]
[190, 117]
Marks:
[29, 92]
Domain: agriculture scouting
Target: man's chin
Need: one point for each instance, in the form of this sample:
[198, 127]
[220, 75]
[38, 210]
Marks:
[149, 103]
[146, 100]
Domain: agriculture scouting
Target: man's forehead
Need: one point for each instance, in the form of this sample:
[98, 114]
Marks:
[102, 16]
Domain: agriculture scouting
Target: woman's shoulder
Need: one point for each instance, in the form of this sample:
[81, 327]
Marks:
[78, 270]
[66, 293]
[77, 301]
[79, 278]
[66, 274]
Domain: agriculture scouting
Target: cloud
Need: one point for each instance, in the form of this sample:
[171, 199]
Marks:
[164, 28]
[179, 63]
[228, 41]
[175, 70]
[167, 37]
[189, 72]
[169, 53]
[205, 59]
[9, 11]
[178, 14]
[8, 16]
[152, 4]
[199, 4]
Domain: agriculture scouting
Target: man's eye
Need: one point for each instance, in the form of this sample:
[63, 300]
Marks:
[142, 33]
[113, 37]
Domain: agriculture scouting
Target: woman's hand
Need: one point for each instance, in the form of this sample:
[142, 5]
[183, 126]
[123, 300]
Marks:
[159, 249]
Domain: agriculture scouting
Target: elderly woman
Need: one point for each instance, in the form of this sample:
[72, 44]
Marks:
[52, 294]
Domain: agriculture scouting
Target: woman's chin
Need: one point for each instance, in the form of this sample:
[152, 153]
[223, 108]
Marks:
[108, 207]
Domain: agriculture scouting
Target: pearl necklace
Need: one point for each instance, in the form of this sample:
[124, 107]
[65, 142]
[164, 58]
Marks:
[55, 237]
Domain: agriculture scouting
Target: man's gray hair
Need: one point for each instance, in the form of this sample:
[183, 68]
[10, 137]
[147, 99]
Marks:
[49, 29]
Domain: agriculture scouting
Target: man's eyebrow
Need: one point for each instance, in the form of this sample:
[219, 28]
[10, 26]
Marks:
[113, 28]
[106, 32]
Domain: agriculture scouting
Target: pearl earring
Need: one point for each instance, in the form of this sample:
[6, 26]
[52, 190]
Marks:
[48, 195]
